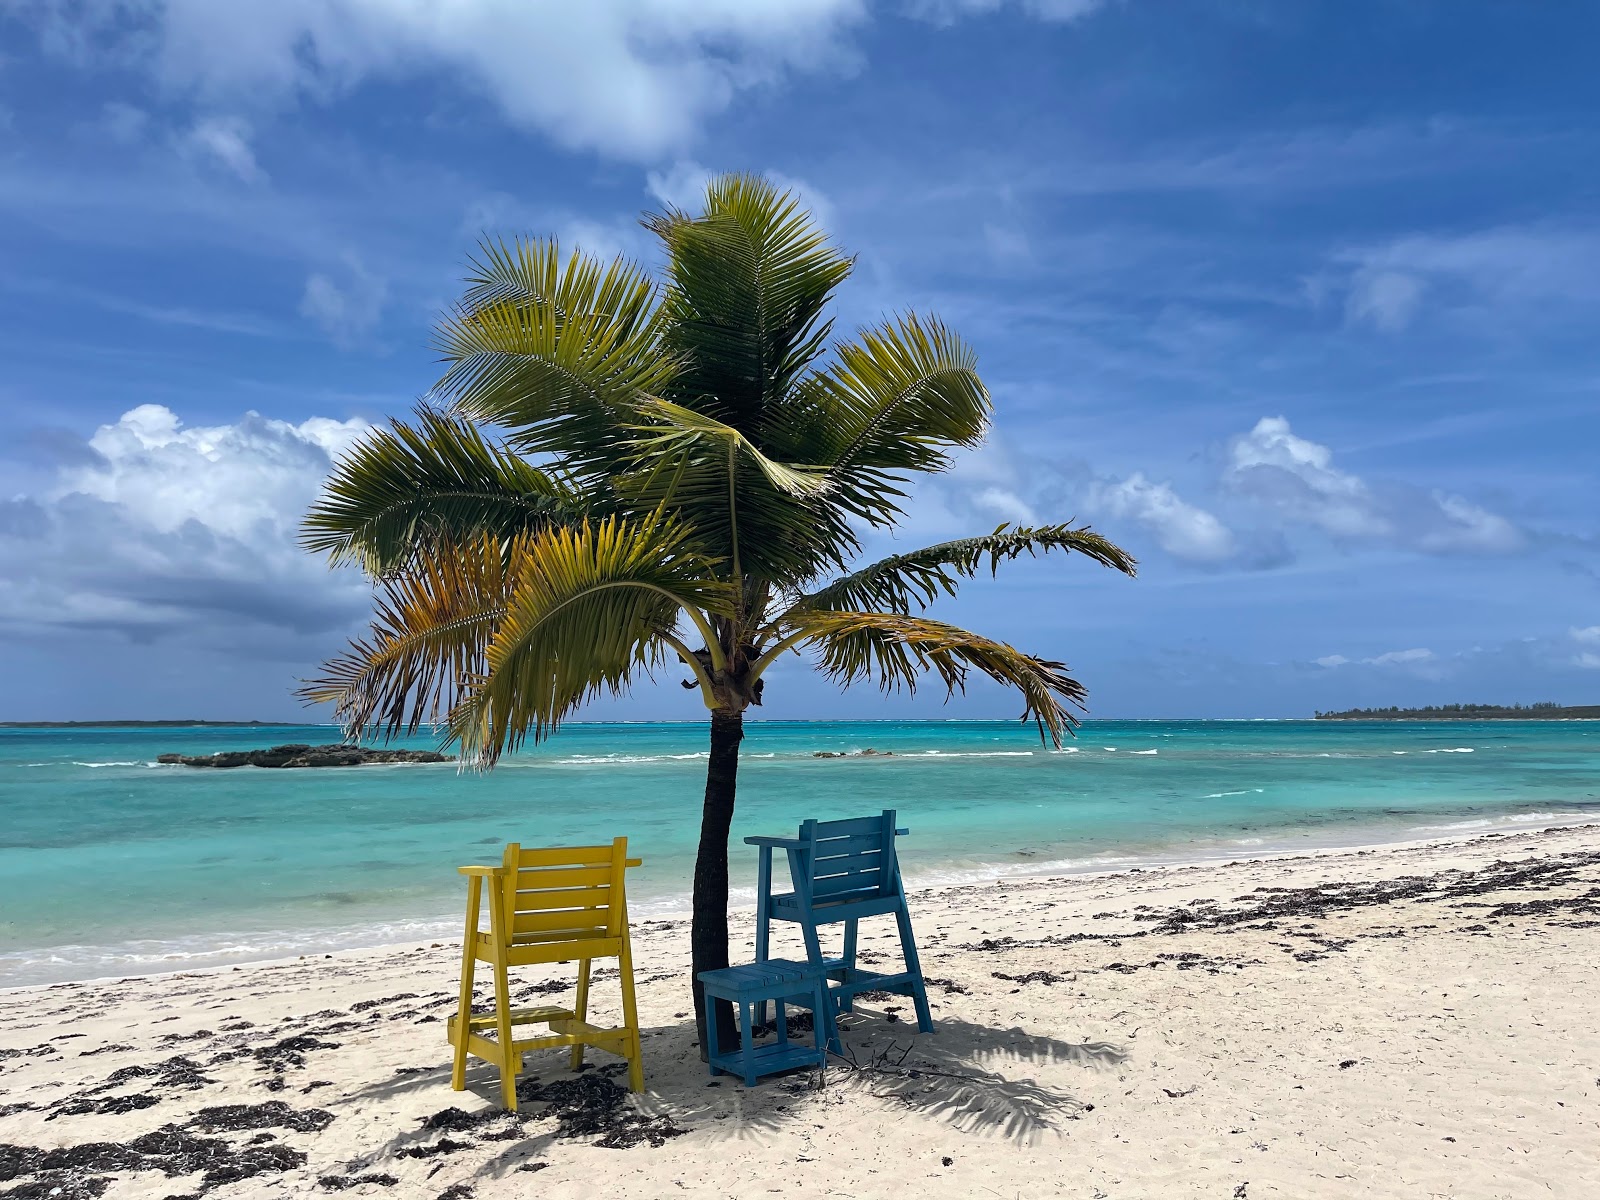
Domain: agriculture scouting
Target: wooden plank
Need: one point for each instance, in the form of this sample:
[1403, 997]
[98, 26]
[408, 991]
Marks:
[549, 948]
[537, 878]
[568, 918]
[867, 882]
[566, 856]
[854, 864]
[589, 897]
[850, 826]
[857, 844]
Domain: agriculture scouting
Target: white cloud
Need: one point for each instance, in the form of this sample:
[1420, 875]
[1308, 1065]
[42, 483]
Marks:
[1384, 299]
[159, 529]
[627, 77]
[1295, 479]
[1332, 660]
[1400, 658]
[1588, 637]
[683, 185]
[1180, 528]
[1496, 275]
[225, 142]
[348, 308]
[947, 12]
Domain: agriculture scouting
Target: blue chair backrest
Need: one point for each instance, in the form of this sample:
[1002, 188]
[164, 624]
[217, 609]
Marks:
[852, 858]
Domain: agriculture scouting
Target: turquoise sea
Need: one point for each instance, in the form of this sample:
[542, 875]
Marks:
[112, 865]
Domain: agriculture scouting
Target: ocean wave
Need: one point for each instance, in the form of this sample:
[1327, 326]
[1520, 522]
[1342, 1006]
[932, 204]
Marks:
[118, 763]
[1453, 750]
[1220, 795]
[963, 754]
[1144, 752]
[1534, 818]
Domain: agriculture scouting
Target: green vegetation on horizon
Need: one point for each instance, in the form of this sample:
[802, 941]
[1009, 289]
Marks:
[616, 475]
[1543, 711]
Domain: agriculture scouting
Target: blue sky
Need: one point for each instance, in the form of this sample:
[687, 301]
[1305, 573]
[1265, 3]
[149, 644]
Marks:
[1296, 300]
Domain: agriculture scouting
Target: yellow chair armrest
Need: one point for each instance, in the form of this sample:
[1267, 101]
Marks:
[634, 862]
[485, 872]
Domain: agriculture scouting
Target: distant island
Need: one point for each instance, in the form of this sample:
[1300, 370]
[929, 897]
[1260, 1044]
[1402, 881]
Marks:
[298, 754]
[134, 724]
[1546, 711]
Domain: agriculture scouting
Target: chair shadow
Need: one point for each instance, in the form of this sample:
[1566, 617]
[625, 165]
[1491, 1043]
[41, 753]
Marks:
[958, 1074]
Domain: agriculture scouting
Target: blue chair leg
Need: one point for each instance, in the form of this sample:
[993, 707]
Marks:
[783, 1021]
[712, 1049]
[919, 990]
[749, 1044]
[847, 1000]
[819, 1024]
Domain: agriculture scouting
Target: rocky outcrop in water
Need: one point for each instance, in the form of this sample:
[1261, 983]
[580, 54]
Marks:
[297, 755]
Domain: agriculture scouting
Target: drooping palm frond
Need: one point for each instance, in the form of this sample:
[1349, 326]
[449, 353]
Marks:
[587, 608]
[403, 488]
[559, 354]
[748, 282]
[503, 643]
[895, 651]
[915, 579]
[432, 626]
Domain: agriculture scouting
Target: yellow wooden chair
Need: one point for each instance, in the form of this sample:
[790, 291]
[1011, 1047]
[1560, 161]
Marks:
[546, 906]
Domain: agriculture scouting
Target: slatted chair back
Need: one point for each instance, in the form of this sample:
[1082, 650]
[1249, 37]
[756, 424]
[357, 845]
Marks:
[850, 861]
[550, 897]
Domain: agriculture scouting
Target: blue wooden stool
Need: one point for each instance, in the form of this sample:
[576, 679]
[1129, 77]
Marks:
[777, 979]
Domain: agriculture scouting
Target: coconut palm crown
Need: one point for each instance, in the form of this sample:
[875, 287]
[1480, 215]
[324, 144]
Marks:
[615, 476]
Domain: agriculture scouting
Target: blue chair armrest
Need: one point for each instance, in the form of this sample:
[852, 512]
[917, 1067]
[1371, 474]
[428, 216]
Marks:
[774, 842]
[901, 832]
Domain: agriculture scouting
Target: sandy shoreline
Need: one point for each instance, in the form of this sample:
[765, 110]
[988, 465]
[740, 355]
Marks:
[1419, 1020]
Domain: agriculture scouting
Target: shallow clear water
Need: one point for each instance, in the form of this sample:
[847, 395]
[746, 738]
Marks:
[110, 864]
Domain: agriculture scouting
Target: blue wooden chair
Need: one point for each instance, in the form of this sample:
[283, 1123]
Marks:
[841, 872]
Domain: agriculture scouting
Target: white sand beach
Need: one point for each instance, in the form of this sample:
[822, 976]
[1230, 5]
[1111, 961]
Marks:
[1417, 1021]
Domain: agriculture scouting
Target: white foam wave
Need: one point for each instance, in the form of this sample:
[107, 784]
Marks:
[965, 754]
[107, 764]
[1144, 752]
[1534, 818]
[1453, 750]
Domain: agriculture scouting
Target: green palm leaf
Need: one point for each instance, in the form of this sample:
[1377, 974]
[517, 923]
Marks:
[896, 651]
[403, 488]
[916, 579]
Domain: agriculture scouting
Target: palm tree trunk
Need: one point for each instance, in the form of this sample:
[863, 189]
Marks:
[709, 931]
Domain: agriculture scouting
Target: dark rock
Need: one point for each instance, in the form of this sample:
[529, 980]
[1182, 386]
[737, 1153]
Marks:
[297, 754]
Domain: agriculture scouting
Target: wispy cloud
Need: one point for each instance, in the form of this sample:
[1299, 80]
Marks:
[346, 303]
[224, 142]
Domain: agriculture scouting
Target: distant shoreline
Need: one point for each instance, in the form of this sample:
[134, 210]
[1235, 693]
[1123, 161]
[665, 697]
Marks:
[140, 724]
[1552, 712]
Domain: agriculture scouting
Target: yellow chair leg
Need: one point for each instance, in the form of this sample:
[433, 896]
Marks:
[630, 1018]
[580, 1009]
[469, 962]
[510, 1060]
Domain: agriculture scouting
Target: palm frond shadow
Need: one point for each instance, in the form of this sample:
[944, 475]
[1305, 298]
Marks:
[952, 1074]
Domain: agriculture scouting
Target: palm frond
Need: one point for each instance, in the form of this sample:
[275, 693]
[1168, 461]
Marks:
[903, 581]
[503, 643]
[558, 353]
[896, 402]
[750, 278]
[896, 651]
[403, 488]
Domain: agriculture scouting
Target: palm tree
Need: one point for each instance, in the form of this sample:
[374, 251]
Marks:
[615, 475]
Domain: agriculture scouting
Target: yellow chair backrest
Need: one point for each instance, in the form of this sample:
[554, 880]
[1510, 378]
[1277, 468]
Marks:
[573, 893]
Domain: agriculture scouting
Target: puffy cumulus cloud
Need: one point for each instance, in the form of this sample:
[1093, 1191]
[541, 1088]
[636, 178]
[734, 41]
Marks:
[1295, 479]
[160, 530]
[1588, 643]
[1180, 528]
[626, 77]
